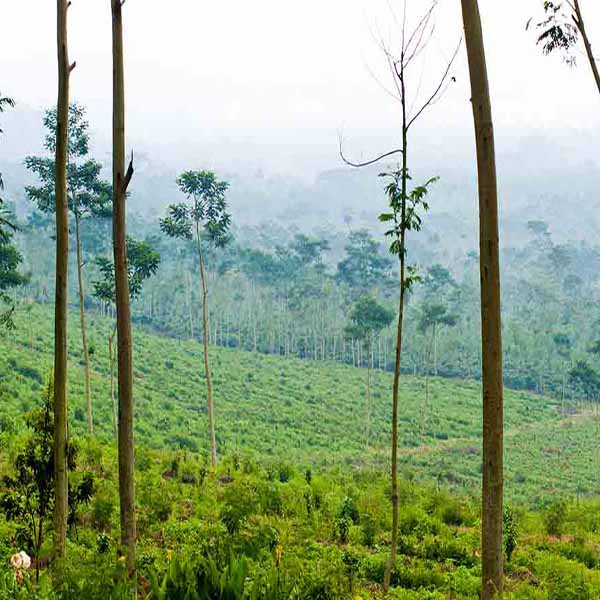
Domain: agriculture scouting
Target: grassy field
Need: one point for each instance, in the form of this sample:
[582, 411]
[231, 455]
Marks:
[305, 412]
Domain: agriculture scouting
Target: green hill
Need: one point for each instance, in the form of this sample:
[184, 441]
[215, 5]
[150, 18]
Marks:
[310, 413]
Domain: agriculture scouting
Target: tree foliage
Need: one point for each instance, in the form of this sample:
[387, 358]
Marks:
[367, 319]
[206, 210]
[557, 31]
[89, 195]
[28, 493]
[142, 262]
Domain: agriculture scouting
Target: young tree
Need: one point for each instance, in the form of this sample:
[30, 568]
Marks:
[491, 328]
[121, 180]
[560, 32]
[142, 262]
[204, 219]
[5, 102]
[10, 257]
[367, 319]
[61, 480]
[404, 217]
[88, 197]
[28, 494]
[433, 317]
[405, 204]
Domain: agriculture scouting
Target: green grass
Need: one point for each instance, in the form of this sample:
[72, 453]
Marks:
[311, 413]
[330, 527]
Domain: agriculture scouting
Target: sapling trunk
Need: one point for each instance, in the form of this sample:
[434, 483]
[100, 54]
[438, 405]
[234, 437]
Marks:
[84, 344]
[206, 332]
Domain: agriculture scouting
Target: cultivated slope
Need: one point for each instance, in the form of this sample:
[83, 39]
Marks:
[302, 411]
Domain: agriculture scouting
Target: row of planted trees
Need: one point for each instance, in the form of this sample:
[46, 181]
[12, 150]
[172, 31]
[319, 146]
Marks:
[71, 182]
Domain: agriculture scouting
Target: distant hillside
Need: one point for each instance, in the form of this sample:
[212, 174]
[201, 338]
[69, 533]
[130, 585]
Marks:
[311, 413]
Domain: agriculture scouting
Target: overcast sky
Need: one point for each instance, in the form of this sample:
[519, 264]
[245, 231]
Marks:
[278, 74]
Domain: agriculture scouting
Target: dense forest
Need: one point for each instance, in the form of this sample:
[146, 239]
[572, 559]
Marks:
[222, 384]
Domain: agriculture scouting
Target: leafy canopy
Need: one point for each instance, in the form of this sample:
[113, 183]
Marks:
[142, 262]
[28, 491]
[206, 209]
[367, 319]
[435, 315]
[404, 216]
[558, 32]
[363, 267]
[89, 195]
[10, 103]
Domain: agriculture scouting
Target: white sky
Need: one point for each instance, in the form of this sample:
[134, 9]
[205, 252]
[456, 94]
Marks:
[276, 72]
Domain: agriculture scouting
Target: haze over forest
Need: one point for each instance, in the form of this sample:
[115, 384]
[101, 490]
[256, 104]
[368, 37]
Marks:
[267, 111]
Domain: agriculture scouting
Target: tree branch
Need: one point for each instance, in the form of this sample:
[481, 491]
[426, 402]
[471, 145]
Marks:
[368, 162]
[432, 99]
[128, 175]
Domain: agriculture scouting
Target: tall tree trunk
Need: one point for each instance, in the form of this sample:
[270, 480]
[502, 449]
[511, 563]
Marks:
[111, 366]
[206, 331]
[84, 344]
[124, 350]
[586, 42]
[61, 485]
[491, 334]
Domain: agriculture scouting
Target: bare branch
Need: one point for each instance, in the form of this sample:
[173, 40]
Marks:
[72, 66]
[381, 84]
[421, 45]
[431, 100]
[379, 41]
[393, 66]
[403, 29]
[416, 38]
[368, 162]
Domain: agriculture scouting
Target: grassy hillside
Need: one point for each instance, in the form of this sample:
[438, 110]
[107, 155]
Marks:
[301, 411]
[298, 520]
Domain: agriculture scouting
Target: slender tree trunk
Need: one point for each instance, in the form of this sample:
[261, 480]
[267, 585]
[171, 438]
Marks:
[61, 485]
[491, 333]
[190, 309]
[586, 42]
[369, 371]
[396, 384]
[124, 349]
[435, 359]
[206, 330]
[113, 400]
[84, 344]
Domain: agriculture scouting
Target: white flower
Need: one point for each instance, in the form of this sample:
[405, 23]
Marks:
[20, 560]
[26, 559]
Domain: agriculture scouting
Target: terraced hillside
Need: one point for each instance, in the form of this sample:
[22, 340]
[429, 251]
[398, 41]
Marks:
[306, 412]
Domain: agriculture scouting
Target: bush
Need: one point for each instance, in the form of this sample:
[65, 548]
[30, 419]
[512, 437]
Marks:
[555, 517]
